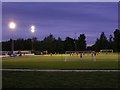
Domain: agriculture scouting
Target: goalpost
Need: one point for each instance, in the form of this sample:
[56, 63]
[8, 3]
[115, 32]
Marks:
[106, 51]
[79, 55]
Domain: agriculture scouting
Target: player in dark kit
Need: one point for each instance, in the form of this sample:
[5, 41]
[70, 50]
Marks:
[94, 56]
[80, 55]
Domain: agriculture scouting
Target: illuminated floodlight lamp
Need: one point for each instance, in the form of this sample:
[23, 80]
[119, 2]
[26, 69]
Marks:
[12, 25]
[32, 29]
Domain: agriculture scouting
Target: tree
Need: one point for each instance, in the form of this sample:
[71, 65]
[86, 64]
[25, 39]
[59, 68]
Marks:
[116, 40]
[59, 45]
[6, 45]
[19, 44]
[69, 44]
[101, 43]
[96, 46]
[53, 45]
[49, 43]
[81, 43]
[110, 42]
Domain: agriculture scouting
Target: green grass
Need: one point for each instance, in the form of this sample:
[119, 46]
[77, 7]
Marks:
[58, 62]
[61, 79]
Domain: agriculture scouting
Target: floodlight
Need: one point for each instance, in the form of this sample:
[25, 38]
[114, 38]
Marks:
[32, 29]
[12, 25]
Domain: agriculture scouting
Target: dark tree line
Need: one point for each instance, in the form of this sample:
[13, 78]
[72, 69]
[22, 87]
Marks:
[112, 43]
[52, 45]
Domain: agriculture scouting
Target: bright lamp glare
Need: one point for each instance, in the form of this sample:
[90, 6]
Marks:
[12, 25]
[32, 29]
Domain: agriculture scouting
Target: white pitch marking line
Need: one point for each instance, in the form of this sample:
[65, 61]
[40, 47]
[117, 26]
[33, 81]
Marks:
[38, 70]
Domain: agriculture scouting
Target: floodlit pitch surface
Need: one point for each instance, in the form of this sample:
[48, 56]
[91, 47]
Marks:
[34, 79]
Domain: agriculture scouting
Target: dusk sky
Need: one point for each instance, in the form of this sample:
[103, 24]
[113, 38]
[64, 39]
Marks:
[61, 19]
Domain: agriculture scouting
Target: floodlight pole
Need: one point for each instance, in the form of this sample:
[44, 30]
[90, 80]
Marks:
[32, 42]
[12, 46]
[75, 42]
[32, 30]
[12, 26]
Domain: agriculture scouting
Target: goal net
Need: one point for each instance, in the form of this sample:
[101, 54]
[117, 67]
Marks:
[106, 51]
[77, 55]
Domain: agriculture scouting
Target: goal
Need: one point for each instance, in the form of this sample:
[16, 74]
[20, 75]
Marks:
[78, 52]
[106, 51]
[77, 55]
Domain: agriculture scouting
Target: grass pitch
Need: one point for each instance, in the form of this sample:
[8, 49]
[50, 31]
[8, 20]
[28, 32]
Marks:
[109, 61]
[61, 79]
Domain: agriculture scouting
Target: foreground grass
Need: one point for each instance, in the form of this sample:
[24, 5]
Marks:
[60, 80]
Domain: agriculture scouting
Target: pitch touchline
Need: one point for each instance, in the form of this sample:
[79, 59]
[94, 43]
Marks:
[38, 70]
